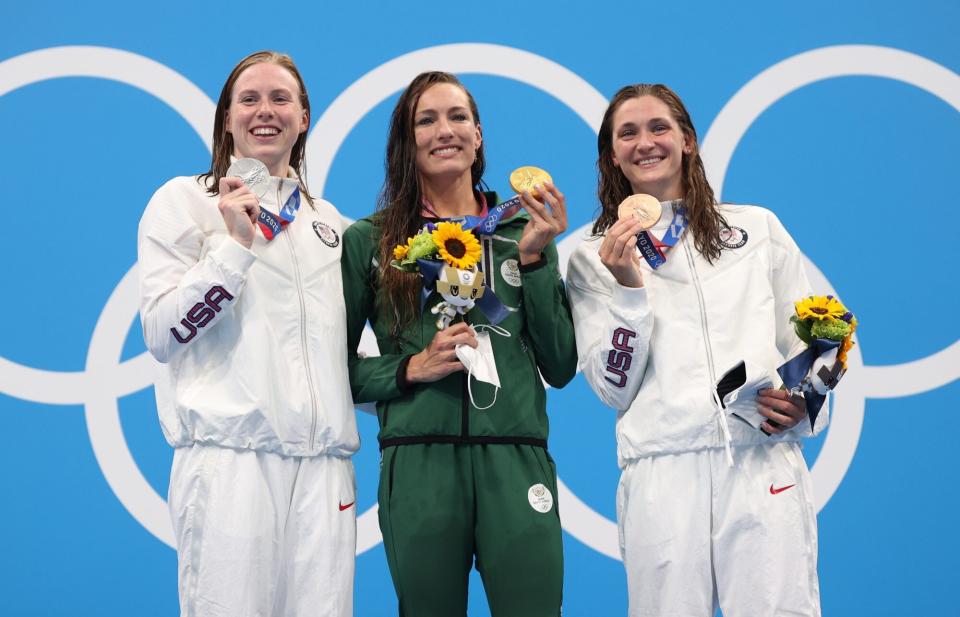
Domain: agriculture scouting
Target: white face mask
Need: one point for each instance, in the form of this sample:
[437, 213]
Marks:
[480, 363]
[739, 392]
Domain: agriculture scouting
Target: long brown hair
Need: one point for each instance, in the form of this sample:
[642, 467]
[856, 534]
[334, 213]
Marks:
[223, 139]
[613, 187]
[399, 203]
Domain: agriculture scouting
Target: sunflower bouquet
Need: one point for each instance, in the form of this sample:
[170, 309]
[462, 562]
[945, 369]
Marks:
[446, 255]
[825, 317]
[441, 241]
[827, 327]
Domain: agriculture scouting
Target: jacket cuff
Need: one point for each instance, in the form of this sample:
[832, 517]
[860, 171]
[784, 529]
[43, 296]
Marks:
[403, 384]
[629, 297]
[235, 256]
[531, 267]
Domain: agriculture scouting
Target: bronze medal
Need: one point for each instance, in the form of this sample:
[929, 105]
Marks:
[641, 207]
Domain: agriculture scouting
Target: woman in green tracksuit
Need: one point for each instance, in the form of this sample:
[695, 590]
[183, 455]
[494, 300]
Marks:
[459, 482]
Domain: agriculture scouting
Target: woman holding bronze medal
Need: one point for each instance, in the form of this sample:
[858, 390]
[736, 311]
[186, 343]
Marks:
[241, 299]
[465, 472]
[682, 309]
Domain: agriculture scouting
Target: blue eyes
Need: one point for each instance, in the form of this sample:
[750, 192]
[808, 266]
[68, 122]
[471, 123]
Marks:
[427, 120]
[251, 100]
[658, 129]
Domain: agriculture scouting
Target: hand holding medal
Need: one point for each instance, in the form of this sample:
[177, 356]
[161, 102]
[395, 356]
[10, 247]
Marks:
[546, 206]
[636, 214]
[240, 189]
[247, 181]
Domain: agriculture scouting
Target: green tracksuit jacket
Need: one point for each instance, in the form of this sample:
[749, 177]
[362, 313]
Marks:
[541, 337]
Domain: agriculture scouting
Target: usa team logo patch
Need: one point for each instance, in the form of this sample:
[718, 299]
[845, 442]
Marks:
[326, 234]
[733, 237]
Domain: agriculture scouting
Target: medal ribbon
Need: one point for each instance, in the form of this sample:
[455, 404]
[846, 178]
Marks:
[487, 224]
[654, 250]
[271, 224]
[484, 225]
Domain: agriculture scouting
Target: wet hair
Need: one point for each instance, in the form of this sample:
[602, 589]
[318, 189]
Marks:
[399, 203]
[223, 139]
[705, 219]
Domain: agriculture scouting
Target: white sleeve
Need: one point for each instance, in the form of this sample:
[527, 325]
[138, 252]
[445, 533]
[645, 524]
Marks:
[790, 284]
[613, 325]
[184, 290]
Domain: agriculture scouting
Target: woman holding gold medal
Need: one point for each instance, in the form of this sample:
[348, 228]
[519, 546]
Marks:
[465, 472]
[241, 299]
[682, 309]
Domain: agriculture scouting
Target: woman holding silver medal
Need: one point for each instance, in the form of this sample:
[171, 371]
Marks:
[241, 299]
[465, 473]
[715, 505]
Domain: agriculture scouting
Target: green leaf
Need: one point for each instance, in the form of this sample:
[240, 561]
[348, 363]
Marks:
[802, 328]
[404, 266]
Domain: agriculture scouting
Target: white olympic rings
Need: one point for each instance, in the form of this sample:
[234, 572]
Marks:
[106, 378]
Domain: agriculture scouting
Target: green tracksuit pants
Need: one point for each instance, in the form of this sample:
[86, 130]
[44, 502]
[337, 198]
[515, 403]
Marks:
[442, 505]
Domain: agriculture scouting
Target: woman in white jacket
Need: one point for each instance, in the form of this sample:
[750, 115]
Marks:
[254, 393]
[715, 503]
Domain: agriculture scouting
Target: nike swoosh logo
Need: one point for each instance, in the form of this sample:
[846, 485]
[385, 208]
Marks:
[774, 491]
[344, 507]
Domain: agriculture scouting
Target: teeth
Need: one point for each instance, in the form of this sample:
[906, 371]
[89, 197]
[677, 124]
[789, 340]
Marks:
[443, 151]
[265, 130]
[656, 159]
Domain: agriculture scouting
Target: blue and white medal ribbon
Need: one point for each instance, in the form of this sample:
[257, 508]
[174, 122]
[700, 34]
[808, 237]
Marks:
[486, 225]
[271, 224]
[654, 250]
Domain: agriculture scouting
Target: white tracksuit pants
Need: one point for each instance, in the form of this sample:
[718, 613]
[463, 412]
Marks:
[259, 534]
[696, 534]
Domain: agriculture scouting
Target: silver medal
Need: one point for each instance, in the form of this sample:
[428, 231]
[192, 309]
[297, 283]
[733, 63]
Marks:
[253, 173]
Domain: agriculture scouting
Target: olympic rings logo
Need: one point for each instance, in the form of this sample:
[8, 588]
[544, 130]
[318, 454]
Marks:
[105, 378]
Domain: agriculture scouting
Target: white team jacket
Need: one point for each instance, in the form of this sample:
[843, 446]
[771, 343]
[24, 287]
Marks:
[253, 341]
[656, 353]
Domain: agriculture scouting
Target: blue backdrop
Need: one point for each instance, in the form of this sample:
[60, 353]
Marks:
[841, 117]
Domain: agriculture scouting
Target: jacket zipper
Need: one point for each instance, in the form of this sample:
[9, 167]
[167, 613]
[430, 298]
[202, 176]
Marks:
[303, 335]
[703, 316]
[488, 275]
[464, 400]
[486, 263]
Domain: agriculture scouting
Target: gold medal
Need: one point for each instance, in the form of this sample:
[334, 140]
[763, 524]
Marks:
[524, 178]
[642, 207]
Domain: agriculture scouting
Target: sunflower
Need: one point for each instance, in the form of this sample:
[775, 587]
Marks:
[400, 251]
[457, 247]
[820, 308]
